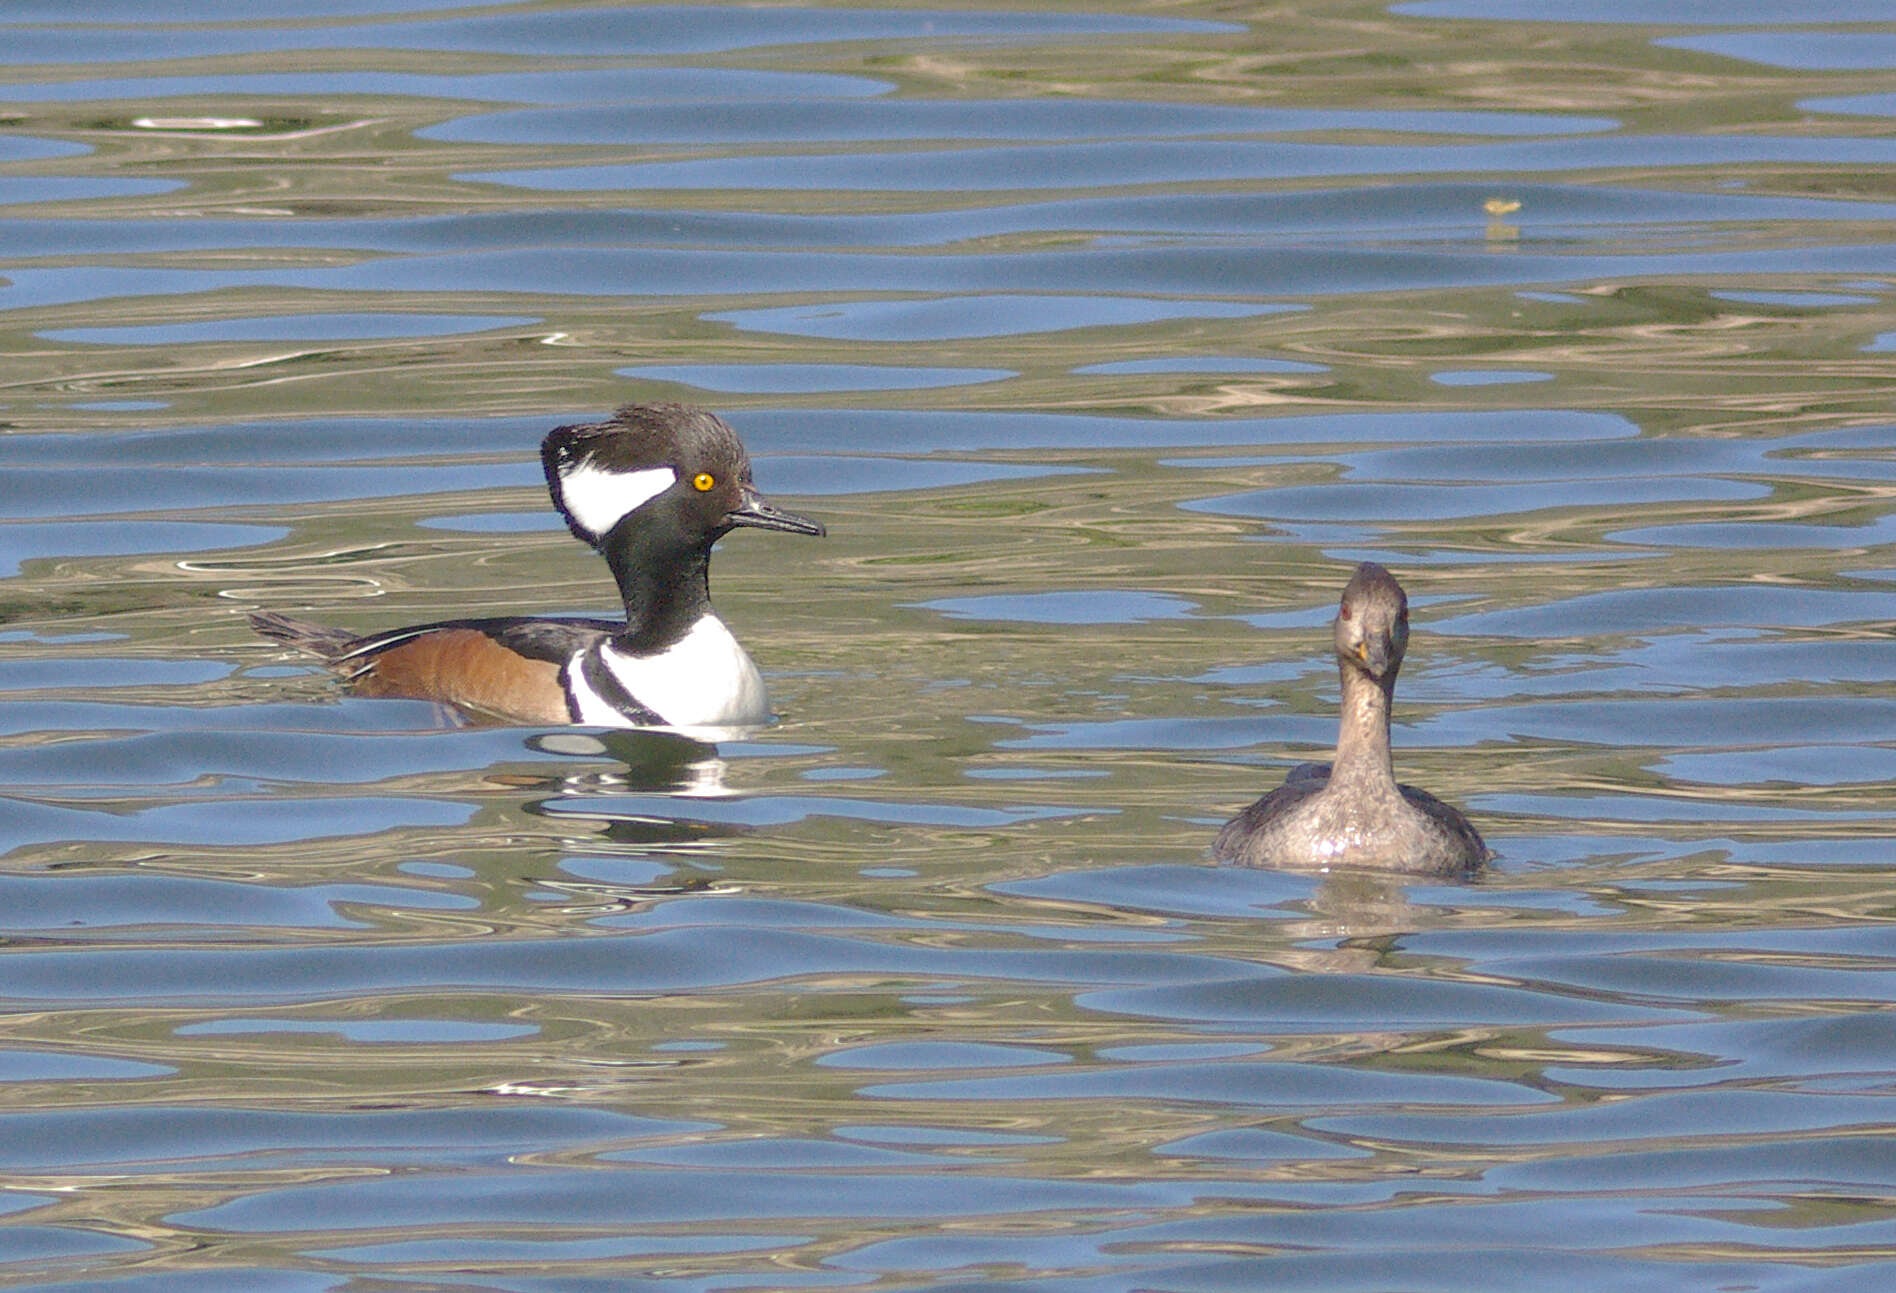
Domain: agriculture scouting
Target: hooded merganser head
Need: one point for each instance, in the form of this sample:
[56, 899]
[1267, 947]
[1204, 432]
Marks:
[652, 489]
[678, 471]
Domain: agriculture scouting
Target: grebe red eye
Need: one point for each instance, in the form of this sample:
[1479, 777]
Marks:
[1343, 612]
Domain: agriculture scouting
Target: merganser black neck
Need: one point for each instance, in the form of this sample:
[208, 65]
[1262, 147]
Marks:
[666, 587]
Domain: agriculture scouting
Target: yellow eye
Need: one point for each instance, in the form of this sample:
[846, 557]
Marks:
[704, 481]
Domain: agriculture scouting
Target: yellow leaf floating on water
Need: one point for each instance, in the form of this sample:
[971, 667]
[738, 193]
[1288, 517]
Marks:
[1498, 230]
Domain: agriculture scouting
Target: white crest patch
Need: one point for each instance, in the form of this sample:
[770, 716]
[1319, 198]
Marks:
[597, 499]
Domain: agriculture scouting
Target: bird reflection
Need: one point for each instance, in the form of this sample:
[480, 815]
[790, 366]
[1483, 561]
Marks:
[643, 762]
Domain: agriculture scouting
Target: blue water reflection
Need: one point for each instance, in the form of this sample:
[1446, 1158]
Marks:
[805, 118]
[1104, 344]
[646, 30]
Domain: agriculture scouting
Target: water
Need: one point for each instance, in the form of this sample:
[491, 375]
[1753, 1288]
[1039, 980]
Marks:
[1105, 343]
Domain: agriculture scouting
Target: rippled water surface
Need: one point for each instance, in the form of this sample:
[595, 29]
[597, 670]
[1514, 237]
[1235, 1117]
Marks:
[1105, 341]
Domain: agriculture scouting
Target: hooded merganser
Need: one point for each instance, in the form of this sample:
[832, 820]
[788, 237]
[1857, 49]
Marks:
[1351, 813]
[652, 489]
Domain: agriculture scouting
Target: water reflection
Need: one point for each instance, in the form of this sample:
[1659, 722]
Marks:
[670, 766]
[1111, 340]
